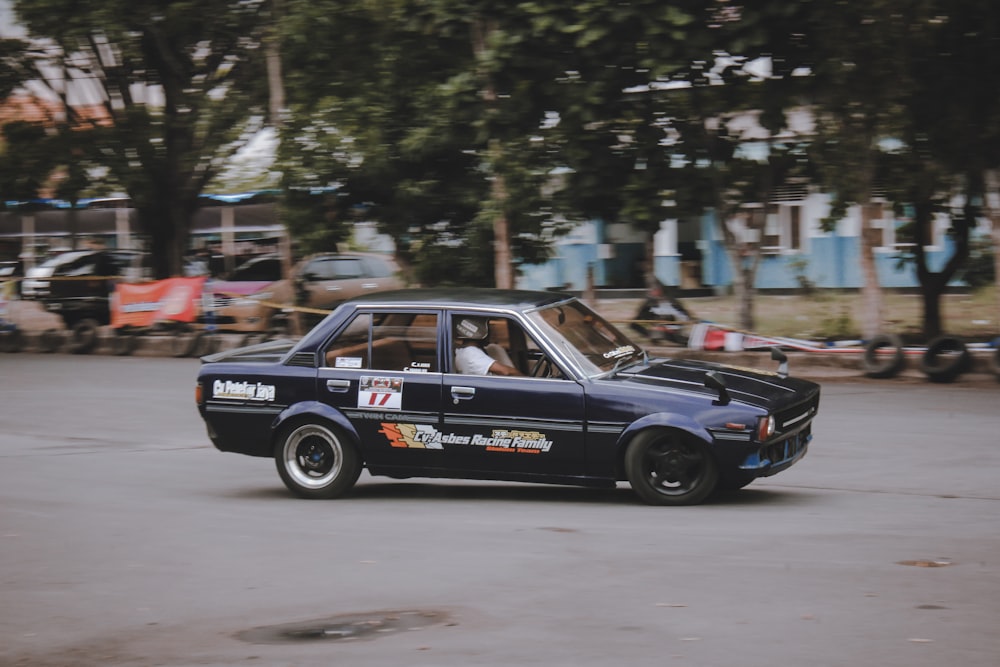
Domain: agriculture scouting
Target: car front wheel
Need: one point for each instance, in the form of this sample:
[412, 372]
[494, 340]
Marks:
[315, 461]
[670, 468]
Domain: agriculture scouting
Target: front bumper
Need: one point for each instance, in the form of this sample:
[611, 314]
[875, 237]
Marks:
[773, 457]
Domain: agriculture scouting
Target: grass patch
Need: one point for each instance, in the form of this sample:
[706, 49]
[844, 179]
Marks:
[826, 314]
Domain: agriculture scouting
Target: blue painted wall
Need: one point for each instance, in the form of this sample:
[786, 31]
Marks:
[827, 261]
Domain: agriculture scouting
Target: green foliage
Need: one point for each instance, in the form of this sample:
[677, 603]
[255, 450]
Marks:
[181, 83]
[980, 270]
[26, 160]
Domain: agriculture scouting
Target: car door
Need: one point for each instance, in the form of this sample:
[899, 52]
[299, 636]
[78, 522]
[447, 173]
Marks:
[382, 371]
[513, 426]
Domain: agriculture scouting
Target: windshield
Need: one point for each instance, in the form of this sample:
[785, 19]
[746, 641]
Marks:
[593, 343]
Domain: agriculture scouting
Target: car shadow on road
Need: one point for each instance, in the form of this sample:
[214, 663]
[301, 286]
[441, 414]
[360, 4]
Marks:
[379, 489]
[507, 492]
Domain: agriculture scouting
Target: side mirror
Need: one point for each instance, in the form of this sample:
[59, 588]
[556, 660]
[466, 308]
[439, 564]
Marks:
[714, 381]
[782, 359]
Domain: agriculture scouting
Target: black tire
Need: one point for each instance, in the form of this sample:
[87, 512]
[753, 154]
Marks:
[315, 460]
[185, 342]
[11, 340]
[84, 336]
[667, 467]
[878, 364]
[945, 359]
[995, 361]
[50, 341]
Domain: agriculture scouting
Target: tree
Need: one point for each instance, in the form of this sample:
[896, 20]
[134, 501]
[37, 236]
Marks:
[182, 87]
[429, 121]
[951, 141]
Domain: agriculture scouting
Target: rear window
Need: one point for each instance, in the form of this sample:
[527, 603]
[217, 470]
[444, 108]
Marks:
[258, 270]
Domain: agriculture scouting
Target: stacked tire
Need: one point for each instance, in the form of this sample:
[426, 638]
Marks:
[884, 356]
[945, 359]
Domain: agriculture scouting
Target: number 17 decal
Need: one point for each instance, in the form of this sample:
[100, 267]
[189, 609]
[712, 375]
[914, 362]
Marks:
[380, 392]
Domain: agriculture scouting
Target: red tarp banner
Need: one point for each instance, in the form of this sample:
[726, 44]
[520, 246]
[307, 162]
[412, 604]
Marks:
[173, 300]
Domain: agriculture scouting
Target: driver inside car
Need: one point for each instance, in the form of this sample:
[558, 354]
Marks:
[473, 356]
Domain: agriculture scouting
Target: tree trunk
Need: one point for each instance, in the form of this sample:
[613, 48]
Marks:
[871, 292]
[275, 81]
[996, 263]
[502, 265]
[503, 274]
[743, 276]
[168, 231]
[932, 292]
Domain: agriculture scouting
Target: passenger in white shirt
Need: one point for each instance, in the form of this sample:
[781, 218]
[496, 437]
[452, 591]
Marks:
[471, 358]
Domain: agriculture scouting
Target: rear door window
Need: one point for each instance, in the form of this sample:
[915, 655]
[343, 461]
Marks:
[397, 341]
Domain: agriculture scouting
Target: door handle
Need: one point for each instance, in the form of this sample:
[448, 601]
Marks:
[369, 285]
[462, 393]
[333, 288]
[339, 386]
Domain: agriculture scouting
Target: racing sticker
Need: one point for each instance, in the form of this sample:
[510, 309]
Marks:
[413, 436]
[422, 436]
[380, 392]
[242, 390]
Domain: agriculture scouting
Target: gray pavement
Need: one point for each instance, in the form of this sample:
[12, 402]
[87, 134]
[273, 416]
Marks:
[126, 540]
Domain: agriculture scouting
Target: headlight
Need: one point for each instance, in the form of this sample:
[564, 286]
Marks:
[765, 427]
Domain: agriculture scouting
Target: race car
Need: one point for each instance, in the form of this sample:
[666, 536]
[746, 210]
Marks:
[561, 397]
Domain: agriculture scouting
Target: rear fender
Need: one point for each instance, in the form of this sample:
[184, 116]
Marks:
[316, 410]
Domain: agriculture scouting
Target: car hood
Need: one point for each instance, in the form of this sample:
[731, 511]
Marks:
[748, 385]
[271, 351]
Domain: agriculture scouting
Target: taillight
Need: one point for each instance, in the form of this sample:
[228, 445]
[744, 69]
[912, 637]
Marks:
[197, 393]
[765, 427]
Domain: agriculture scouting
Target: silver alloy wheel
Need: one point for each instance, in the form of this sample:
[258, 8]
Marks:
[312, 456]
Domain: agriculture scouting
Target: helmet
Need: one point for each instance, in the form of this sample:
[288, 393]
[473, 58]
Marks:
[472, 328]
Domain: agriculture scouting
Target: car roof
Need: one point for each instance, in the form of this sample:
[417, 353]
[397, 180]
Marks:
[463, 297]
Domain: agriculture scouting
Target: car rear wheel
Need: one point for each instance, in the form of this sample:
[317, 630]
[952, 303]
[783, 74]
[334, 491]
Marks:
[670, 468]
[314, 460]
[84, 336]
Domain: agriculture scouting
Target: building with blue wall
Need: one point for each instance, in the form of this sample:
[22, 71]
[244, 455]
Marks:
[691, 254]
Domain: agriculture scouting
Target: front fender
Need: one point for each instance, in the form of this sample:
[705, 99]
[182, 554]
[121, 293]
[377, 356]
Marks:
[664, 420]
[314, 409]
[669, 420]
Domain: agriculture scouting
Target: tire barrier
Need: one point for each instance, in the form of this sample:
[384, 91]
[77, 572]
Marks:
[124, 343]
[11, 340]
[877, 363]
[50, 341]
[945, 359]
[253, 339]
[208, 343]
[185, 342]
[83, 337]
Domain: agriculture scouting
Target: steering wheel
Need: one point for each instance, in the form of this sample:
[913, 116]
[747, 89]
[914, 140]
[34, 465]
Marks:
[541, 368]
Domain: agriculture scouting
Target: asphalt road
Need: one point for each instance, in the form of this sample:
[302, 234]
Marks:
[126, 539]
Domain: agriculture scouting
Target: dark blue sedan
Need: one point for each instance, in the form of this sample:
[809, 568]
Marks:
[549, 392]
